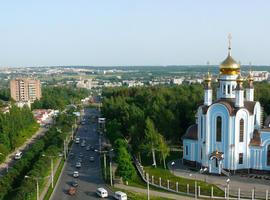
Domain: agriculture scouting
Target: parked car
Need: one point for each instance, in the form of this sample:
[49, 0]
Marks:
[18, 155]
[83, 144]
[88, 148]
[101, 192]
[77, 140]
[78, 165]
[120, 195]
[71, 191]
[75, 174]
[92, 148]
[92, 159]
[74, 183]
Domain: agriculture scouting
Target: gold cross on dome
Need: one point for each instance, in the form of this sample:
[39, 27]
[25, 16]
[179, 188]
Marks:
[229, 40]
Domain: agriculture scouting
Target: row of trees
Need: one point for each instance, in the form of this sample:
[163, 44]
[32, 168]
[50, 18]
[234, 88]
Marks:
[13, 185]
[58, 97]
[15, 127]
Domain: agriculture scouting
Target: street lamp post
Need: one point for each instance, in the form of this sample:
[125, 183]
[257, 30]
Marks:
[195, 192]
[105, 173]
[228, 188]
[105, 162]
[37, 184]
[148, 191]
[173, 165]
[52, 174]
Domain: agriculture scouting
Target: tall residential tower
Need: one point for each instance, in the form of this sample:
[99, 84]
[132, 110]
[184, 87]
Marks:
[24, 90]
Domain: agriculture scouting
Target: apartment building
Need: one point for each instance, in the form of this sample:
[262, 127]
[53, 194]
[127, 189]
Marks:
[25, 89]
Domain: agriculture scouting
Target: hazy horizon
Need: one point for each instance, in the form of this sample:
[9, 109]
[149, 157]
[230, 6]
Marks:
[133, 33]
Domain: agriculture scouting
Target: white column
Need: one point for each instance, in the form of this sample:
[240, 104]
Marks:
[250, 94]
[239, 98]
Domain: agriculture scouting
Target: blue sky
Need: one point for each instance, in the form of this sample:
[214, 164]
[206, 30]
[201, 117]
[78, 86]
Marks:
[138, 32]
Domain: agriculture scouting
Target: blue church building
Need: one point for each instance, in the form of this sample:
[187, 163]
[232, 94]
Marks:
[228, 135]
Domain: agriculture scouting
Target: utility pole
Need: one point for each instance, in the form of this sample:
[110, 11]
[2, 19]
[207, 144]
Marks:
[105, 173]
[37, 189]
[148, 192]
[111, 172]
[37, 184]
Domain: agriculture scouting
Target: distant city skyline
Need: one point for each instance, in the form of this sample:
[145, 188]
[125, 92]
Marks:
[136, 33]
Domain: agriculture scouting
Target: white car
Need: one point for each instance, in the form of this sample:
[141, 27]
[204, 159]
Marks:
[78, 165]
[77, 140]
[120, 195]
[101, 192]
[75, 174]
[18, 155]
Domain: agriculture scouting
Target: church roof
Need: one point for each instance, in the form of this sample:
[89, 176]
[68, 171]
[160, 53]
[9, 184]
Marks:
[256, 140]
[191, 133]
[230, 105]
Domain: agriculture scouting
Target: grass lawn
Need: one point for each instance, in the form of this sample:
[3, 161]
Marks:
[167, 175]
[139, 196]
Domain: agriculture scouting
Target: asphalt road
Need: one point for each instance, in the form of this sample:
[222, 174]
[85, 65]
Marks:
[90, 177]
[10, 161]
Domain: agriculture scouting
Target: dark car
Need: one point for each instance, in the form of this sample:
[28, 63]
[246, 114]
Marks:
[92, 159]
[74, 183]
[92, 148]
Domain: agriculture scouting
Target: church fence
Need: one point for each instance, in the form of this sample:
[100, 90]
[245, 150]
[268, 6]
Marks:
[195, 190]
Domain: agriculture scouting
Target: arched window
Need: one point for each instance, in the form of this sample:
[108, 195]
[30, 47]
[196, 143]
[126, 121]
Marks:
[268, 155]
[218, 129]
[241, 131]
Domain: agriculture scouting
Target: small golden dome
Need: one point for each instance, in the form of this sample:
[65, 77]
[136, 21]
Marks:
[239, 79]
[208, 77]
[250, 76]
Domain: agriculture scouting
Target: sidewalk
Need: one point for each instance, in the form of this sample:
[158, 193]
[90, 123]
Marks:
[152, 192]
[10, 158]
[246, 184]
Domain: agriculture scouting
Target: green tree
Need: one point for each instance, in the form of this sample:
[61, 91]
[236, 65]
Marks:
[163, 149]
[151, 141]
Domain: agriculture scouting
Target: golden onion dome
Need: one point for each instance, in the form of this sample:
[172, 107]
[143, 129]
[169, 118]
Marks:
[229, 66]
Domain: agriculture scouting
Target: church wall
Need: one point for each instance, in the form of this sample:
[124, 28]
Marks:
[212, 145]
[265, 136]
[201, 138]
[242, 147]
[192, 147]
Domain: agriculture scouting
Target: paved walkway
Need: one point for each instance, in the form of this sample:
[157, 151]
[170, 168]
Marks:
[10, 158]
[152, 192]
[236, 181]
